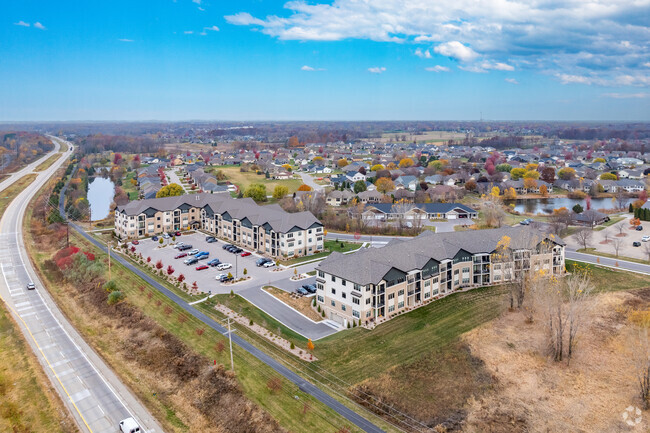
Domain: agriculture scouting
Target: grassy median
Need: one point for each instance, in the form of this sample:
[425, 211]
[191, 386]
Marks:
[48, 162]
[7, 195]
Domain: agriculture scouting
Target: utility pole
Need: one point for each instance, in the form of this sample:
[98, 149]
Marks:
[232, 362]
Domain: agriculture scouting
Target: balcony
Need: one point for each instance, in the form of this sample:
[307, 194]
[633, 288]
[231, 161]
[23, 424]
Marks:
[379, 305]
[354, 293]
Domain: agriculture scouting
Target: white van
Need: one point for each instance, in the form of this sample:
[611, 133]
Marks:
[129, 425]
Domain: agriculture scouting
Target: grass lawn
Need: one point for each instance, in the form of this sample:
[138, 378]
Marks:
[9, 193]
[243, 180]
[330, 247]
[48, 162]
[611, 280]
[612, 220]
[28, 403]
[130, 189]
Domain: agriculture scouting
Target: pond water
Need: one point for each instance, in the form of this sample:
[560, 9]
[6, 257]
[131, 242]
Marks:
[100, 196]
[546, 205]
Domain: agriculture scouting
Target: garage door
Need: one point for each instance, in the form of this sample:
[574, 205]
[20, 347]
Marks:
[451, 216]
[338, 319]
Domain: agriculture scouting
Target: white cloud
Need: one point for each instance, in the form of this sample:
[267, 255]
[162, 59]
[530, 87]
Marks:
[38, 25]
[422, 54]
[511, 81]
[437, 68]
[188, 32]
[198, 2]
[125, 40]
[22, 24]
[604, 41]
[456, 50]
[311, 69]
[639, 95]
[201, 9]
[377, 69]
[211, 29]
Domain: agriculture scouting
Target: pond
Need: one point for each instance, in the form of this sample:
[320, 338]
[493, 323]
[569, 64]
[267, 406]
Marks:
[546, 205]
[100, 196]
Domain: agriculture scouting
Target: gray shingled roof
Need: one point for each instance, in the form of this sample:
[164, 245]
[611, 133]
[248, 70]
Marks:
[278, 219]
[370, 265]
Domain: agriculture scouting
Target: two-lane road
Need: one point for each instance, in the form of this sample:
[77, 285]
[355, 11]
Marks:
[13, 177]
[94, 395]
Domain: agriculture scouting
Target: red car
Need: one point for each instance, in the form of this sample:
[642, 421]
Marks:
[180, 256]
[177, 234]
[245, 253]
[201, 267]
[135, 242]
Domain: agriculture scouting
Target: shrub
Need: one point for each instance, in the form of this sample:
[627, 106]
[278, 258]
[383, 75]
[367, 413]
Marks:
[110, 286]
[250, 322]
[323, 313]
[293, 346]
[115, 297]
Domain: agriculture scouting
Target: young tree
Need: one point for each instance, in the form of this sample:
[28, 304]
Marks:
[173, 189]
[384, 185]
[159, 264]
[617, 243]
[170, 270]
[359, 186]
[543, 190]
[583, 236]
[256, 191]
[280, 192]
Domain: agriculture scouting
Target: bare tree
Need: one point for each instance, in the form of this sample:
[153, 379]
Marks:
[578, 288]
[401, 208]
[646, 249]
[620, 227]
[617, 243]
[620, 198]
[583, 236]
[494, 214]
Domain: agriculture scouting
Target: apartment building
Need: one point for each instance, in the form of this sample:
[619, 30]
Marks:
[376, 284]
[268, 230]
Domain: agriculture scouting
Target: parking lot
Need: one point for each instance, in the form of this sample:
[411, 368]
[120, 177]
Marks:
[251, 289]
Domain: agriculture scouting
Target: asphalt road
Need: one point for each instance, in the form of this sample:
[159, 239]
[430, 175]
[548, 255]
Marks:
[308, 180]
[94, 395]
[13, 177]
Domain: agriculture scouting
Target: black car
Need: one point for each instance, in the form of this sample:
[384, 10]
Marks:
[309, 287]
[231, 248]
[184, 247]
[225, 278]
[237, 250]
[154, 238]
[639, 228]
[260, 262]
[210, 239]
[226, 246]
[636, 244]
[302, 291]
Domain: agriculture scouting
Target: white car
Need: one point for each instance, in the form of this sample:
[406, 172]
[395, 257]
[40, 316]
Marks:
[646, 238]
[166, 236]
[269, 264]
[192, 252]
[220, 276]
[223, 266]
[179, 244]
[129, 425]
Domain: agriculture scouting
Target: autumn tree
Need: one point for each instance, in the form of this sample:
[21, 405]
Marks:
[171, 190]
[517, 173]
[548, 174]
[406, 162]
[304, 187]
[543, 190]
[531, 174]
[608, 176]
[310, 345]
[377, 167]
[470, 185]
[530, 183]
[342, 162]
[293, 141]
[566, 173]
[510, 194]
[256, 191]
[280, 191]
[503, 168]
[384, 185]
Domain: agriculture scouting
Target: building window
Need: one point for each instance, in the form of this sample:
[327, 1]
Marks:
[355, 313]
[391, 296]
[427, 295]
[367, 301]
[356, 301]
[321, 274]
[333, 291]
[342, 307]
[333, 279]
[400, 293]
[321, 299]
[391, 308]
[400, 305]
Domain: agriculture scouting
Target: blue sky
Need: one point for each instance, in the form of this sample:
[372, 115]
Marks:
[336, 60]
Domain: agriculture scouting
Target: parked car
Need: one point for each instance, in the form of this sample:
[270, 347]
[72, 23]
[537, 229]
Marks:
[202, 267]
[166, 236]
[636, 244]
[231, 248]
[639, 228]
[180, 255]
[237, 250]
[191, 261]
[269, 264]
[31, 286]
[261, 261]
[184, 247]
[214, 262]
[210, 239]
[224, 278]
[129, 425]
[202, 255]
[223, 266]
[179, 244]
[194, 251]
[154, 238]
[245, 254]
[302, 291]
[646, 238]
[135, 242]
[309, 287]
[177, 234]
[226, 246]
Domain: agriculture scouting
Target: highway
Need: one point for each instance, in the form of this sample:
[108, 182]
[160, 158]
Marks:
[94, 395]
[13, 177]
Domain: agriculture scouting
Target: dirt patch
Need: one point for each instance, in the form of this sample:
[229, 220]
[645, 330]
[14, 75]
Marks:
[537, 395]
[300, 303]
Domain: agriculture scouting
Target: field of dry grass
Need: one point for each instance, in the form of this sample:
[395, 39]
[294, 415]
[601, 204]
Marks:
[535, 394]
[28, 403]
